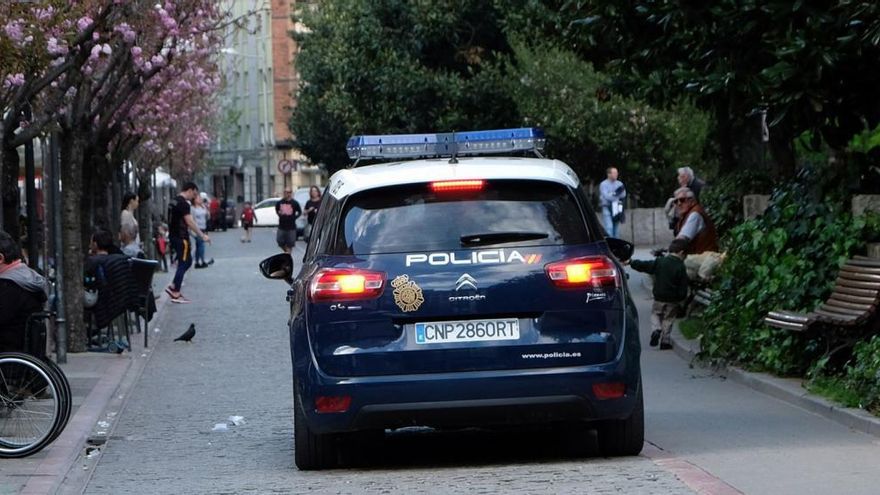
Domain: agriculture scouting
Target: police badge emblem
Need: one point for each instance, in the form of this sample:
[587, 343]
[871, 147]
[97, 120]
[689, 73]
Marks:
[407, 294]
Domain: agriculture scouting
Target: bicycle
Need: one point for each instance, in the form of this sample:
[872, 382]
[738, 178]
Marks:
[35, 397]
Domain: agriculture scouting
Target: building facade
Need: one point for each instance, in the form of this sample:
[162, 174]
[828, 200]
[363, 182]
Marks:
[253, 157]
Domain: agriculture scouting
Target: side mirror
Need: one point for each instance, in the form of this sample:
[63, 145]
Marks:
[621, 249]
[278, 267]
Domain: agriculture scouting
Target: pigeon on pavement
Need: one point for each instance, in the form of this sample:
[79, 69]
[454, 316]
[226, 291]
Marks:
[188, 334]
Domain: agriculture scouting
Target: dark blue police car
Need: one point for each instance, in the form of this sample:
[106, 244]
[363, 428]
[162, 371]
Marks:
[459, 290]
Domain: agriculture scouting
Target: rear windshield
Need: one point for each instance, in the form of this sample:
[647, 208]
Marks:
[503, 213]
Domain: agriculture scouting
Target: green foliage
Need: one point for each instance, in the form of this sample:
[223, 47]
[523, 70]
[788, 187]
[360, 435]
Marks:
[786, 259]
[834, 388]
[809, 63]
[591, 129]
[865, 141]
[862, 373]
[724, 199]
[691, 327]
[392, 66]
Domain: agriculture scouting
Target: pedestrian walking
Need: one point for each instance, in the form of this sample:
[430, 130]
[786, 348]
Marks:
[200, 215]
[181, 223]
[129, 232]
[611, 195]
[288, 211]
[311, 210]
[670, 290]
[247, 221]
[22, 292]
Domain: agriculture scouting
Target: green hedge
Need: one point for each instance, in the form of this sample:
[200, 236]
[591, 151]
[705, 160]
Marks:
[786, 259]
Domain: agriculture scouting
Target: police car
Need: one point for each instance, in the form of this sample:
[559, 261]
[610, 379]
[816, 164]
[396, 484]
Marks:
[459, 290]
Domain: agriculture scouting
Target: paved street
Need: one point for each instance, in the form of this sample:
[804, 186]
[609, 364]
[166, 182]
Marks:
[703, 432]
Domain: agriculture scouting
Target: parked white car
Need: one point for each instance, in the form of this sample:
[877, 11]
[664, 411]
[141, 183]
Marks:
[264, 213]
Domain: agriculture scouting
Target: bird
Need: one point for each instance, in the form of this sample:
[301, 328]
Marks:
[188, 334]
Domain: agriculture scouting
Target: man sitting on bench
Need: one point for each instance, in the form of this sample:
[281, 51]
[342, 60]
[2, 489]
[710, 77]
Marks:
[22, 292]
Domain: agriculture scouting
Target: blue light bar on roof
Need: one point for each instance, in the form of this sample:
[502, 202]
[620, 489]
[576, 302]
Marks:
[393, 146]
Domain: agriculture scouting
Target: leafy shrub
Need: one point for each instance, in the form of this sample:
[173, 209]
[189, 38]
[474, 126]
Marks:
[723, 199]
[788, 258]
[862, 373]
[590, 127]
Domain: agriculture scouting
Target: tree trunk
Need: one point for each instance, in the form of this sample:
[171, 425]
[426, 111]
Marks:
[724, 131]
[145, 219]
[782, 151]
[72, 180]
[10, 192]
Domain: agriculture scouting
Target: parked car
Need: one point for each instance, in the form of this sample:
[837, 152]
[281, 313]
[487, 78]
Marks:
[471, 292]
[264, 213]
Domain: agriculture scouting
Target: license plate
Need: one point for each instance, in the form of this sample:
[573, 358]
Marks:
[438, 332]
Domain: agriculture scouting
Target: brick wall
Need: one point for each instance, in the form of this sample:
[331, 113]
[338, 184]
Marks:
[284, 73]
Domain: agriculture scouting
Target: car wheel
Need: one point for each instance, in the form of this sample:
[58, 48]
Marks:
[311, 451]
[624, 436]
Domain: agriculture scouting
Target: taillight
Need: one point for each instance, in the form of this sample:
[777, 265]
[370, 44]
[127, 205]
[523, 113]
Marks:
[346, 284]
[332, 404]
[593, 271]
[457, 185]
[609, 390]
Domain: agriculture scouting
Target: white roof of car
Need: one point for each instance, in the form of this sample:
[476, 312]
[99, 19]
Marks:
[349, 181]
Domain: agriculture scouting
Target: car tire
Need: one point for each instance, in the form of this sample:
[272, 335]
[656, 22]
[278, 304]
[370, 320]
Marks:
[624, 437]
[311, 451]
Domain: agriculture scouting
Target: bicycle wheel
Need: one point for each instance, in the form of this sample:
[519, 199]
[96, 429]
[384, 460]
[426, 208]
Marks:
[64, 395]
[30, 405]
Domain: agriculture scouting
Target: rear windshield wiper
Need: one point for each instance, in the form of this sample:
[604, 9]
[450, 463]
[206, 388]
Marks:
[500, 238]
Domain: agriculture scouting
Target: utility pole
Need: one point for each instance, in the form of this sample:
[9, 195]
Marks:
[60, 324]
[31, 197]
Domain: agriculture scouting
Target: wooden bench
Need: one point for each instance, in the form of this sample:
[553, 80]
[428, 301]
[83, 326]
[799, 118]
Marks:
[701, 296]
[704, 296]
[853, 302]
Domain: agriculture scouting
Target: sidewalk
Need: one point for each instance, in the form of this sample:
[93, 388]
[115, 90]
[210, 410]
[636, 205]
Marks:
[790, 390]
[97, 381]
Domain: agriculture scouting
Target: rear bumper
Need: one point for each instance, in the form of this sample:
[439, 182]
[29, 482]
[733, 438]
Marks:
[469, 398]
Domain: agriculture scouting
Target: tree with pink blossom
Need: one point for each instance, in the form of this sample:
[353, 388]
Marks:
[116, 79]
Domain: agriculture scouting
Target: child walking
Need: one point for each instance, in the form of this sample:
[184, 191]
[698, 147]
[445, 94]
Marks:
[247, 221]
[670, 290]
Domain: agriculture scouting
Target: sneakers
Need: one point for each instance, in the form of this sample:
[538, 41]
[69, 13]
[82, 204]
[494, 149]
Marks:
[176, 297]
[665, 346]
[655, 338]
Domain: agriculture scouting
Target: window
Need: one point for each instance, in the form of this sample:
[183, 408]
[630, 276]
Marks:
[413, 218]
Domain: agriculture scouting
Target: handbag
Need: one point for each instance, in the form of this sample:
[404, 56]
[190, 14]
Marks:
[617, 212]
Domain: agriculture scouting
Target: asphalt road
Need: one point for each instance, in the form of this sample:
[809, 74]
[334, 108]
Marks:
[704, 432]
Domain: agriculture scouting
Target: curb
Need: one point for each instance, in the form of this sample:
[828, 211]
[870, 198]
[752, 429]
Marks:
[785, 389]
